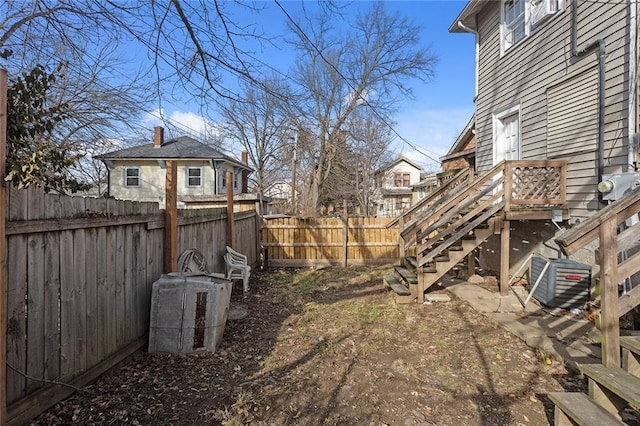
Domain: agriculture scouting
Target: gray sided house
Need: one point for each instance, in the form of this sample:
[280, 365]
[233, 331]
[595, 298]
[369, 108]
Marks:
[138, 173]
[556, 79]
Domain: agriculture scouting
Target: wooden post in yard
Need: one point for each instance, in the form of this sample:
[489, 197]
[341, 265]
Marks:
[345, 234]
[171, 218]
[3, 249]
[505, 235]
[231, 233]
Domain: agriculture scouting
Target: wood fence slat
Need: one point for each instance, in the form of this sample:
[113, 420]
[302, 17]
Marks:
[79, 298]
[35, 309]
[120, 308]
[52, 306]
[109, 314]
[91, 286]
[16, 322]
[67, 338]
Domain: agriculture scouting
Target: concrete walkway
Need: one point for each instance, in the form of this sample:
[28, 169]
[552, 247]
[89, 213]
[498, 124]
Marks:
[559, 334]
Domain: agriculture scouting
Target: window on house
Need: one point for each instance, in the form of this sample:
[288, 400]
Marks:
[194, 176]
[132, 176]
[519, 17]
[401, 179]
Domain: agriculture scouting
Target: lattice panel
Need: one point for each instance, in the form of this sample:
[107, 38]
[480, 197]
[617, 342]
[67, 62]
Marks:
[537, 185]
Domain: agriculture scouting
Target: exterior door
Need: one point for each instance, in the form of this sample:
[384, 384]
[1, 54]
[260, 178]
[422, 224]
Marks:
[507, 143]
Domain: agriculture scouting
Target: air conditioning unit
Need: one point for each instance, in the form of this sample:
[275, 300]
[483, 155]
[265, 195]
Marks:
[542, 9]
[564, 283]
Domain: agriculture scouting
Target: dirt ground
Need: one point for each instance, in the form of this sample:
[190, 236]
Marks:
[330, 347]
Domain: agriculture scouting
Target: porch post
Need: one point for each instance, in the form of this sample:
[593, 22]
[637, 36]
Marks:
[609, 316]
[505, 235]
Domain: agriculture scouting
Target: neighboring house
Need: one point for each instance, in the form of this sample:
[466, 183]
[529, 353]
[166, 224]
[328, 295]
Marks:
[138, 173]
[394, 181]
[428, 182]
[556, 79]
[462, 153]
[279, 195]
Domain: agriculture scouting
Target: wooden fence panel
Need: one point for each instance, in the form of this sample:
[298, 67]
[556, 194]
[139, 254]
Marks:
[80, 275]
[316, 242]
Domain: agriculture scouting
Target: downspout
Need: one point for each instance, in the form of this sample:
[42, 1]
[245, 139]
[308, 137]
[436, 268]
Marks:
[601, 46]
[633, 75]
[477, 35]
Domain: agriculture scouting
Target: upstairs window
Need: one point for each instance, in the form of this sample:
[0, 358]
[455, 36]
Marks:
[518, 18]
[401, 180]
[132, 177]
[194, 176]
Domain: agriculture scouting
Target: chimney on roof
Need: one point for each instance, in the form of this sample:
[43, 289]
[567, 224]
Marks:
[158, 136]
[245, 157]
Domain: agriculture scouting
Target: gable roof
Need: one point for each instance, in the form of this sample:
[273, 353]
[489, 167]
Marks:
[183, 147]
[463, 138]
[398, 160]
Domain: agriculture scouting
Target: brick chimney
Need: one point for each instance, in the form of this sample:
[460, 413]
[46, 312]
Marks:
[245, 157]
[158, 136]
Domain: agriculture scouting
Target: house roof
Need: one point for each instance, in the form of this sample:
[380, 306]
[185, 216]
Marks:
[457, 149]
[469, 11]
[397, 161]
[183, 147]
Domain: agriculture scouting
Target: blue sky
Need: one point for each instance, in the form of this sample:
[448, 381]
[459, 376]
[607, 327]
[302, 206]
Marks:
[441, 108]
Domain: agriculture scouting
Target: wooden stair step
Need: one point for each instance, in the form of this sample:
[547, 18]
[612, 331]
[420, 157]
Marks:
[631, 354]
[407, 275]
[581, 409]
[395, 285]
[412, 261]
[456, 248]
[443, 258]
[430, 269]
[469, 237]
[616, 380]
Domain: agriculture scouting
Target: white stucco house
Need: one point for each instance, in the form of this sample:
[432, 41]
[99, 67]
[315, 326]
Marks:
[138, 173]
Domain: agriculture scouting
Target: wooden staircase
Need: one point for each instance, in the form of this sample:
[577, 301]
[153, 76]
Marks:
[614, 385]
[611, 390]
[451, 222]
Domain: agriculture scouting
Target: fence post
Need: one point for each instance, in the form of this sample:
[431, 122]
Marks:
[345, 235]
[3, 249]
[609, 318]
[171, 218]
[231, 233]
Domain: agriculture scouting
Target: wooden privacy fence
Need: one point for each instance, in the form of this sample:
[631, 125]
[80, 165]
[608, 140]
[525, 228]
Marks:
[80, 272]
[327, 241]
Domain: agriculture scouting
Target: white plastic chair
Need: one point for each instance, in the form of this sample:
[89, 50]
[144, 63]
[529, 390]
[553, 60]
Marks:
[237, 268]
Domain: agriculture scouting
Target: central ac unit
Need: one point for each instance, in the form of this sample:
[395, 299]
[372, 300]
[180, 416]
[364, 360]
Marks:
[542, 9]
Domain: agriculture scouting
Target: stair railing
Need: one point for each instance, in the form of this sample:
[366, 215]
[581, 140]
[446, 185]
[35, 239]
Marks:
[605, 225]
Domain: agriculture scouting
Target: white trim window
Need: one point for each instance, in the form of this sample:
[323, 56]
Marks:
[518, 18]
[194, 177]
[131, 177]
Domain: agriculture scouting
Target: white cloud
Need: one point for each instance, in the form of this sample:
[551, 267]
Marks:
[182, 123]
[432, 131]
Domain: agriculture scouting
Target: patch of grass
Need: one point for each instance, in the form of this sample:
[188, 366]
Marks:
[363, 314]
[306, 282]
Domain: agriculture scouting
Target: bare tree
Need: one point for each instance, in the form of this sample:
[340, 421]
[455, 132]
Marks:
[259, 125]
[369, 66]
